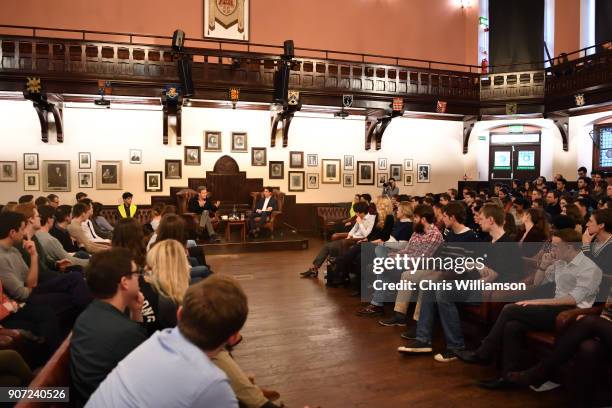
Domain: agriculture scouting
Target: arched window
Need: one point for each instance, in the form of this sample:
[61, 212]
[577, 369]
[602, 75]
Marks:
[602, 147]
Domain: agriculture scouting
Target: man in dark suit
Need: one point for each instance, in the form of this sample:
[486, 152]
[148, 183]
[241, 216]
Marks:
[264, 207]
[200, 204]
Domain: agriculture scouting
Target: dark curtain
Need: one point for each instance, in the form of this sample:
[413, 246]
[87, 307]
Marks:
[516, 34]
[603, 21]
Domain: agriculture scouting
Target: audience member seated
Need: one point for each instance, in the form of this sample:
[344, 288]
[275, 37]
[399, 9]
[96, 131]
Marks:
[80, 216]
[21, 283]
[41, 201]
[54, 200]
[536, 231]
[39, 320]
[425, 240]
[104, 334]
[45, 271]
[200, 204]
[401, 232]
[588, 342]
[127, 209]
[26, 199]
[128, 234]
[172, 226]
[100, 224]
[52, 248]
[364, 223]
[262, 211]
[576, 282]
[457, 239]
[80, 196]
[87, 225]
[349, 262]
[164, 284]
[14, 371]
[63, 218]
[157, 210]
[597, 239]
[182, 373]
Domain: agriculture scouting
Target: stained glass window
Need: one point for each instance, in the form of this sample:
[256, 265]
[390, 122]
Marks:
[605, 147]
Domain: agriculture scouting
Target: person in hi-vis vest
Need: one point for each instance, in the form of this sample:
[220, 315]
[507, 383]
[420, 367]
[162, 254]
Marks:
[127, 209]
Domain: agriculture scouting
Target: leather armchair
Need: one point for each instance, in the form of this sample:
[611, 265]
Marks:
[329, 217]
[274, 222]
[182, 205]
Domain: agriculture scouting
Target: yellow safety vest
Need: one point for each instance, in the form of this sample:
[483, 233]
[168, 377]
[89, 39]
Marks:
[121, 209]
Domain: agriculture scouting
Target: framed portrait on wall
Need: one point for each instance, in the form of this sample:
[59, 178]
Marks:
[382, 164]
[85, 179]
[312, 160]
[227, 19]
[365, 173]
[408, 179]
[193, 156]
[258, 156]
[348, 180]
[31, 181]
[153, 181]
[8, 171]
[349, 162]
[296, 160]
[212, 141]
[330, 171]
[296, 180]
[173, 169]
[84, 160]
[277, 170]
[312, 180]
[56, 175]
[109, 174]
[30, 161]
[423, 173]
[396, 171]
[135, 156]
[407, 164]
[381, 178]
[239, 142]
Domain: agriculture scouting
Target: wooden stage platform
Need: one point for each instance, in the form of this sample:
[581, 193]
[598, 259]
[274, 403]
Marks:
[286, 242]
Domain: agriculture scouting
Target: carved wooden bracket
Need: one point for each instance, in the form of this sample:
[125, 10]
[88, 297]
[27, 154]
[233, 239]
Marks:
[375, 127]
[286, 118]
[43, 108]
[562, 122]
[468, 126]
[172, 107]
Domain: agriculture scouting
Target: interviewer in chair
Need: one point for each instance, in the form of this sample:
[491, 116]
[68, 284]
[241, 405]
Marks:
[263, 209]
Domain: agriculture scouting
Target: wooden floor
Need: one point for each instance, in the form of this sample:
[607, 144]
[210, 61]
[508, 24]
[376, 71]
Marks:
[305, 341]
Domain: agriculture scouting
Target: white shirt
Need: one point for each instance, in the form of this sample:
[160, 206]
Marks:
[362, 230]
[89, 231]
[265, 204]
[579, 278]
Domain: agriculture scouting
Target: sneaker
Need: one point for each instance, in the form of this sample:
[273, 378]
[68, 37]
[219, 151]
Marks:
[415, 347]
[446, 356]
[398, 319]
[370, 311]
[409, 334]
[309, 273]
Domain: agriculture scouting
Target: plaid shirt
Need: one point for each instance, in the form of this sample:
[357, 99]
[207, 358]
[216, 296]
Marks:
[425, 244]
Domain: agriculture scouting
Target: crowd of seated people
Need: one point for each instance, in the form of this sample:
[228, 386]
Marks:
[122, 301]
[561, 237]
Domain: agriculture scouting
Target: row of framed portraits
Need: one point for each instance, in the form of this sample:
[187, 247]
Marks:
[331, 174]
[56, 176]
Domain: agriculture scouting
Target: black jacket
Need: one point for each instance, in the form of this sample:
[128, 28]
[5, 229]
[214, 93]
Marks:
[271, 203]
[194, 206]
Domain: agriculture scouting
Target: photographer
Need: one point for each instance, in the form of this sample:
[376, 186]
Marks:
[390, 189]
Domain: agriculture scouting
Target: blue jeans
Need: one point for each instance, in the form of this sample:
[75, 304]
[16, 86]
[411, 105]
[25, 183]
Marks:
[82, 255]
[449, 317]
[197, 273]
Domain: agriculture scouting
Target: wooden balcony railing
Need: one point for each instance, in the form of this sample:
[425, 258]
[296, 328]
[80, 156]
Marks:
[146, 60]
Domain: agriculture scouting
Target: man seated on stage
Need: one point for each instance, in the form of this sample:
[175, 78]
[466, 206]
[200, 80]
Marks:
[127, 209]
[264, 207]
[200, 204]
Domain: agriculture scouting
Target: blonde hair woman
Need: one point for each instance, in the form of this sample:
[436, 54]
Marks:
[164, 284]
[384, 221]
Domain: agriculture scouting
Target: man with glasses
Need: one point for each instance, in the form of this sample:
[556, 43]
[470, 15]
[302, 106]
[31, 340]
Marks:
[104, 334]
